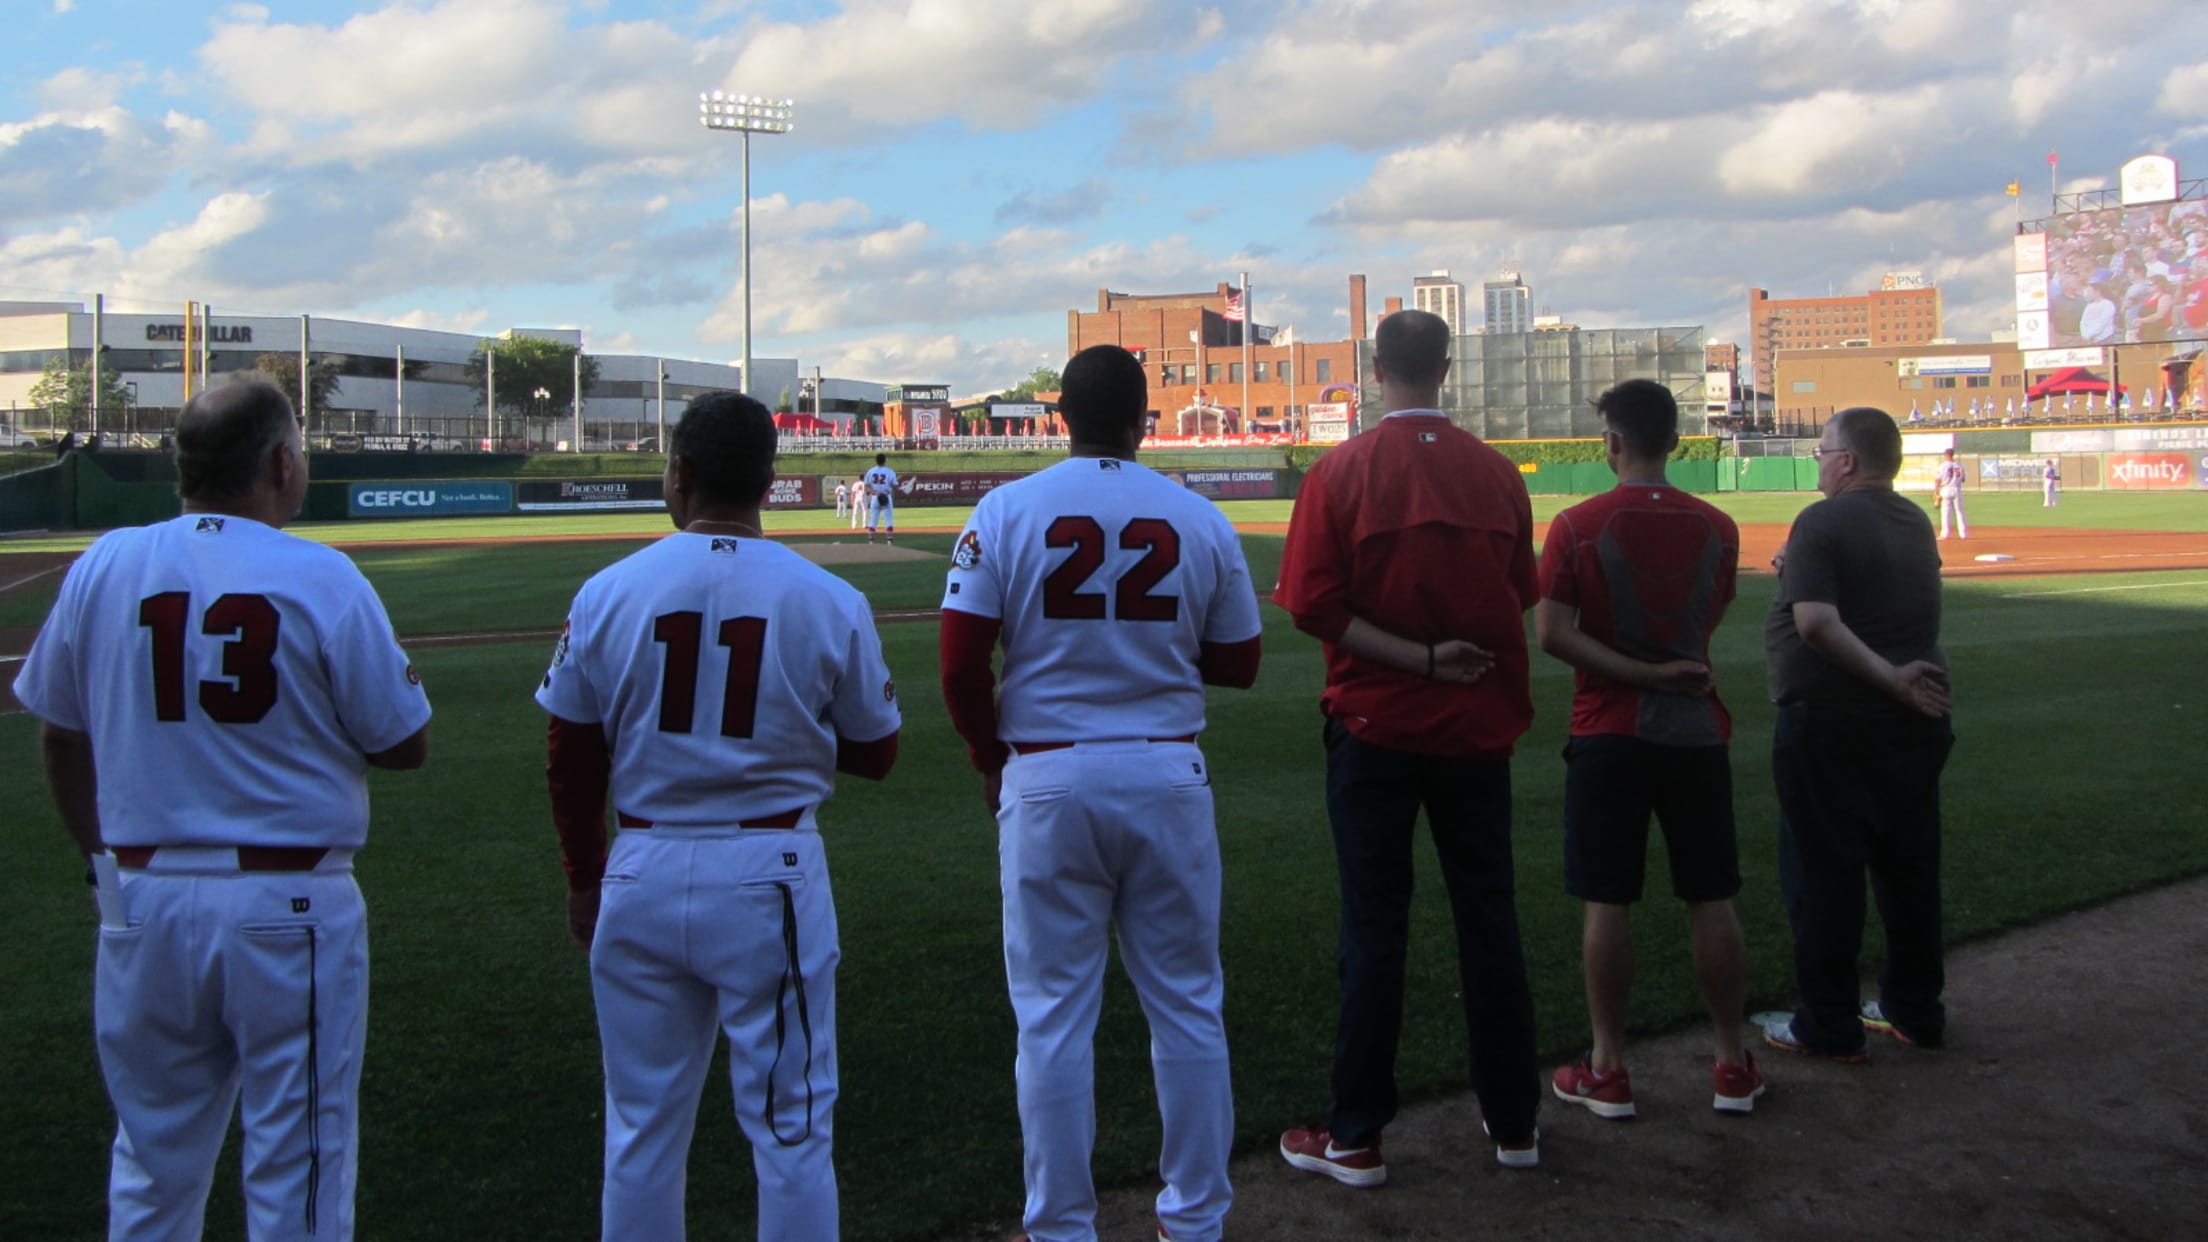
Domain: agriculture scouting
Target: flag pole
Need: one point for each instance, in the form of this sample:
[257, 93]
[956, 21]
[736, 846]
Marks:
[1249, 320]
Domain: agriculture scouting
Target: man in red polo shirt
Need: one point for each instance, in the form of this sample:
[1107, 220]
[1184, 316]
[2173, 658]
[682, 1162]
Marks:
[1633, 582]
[1411, 557]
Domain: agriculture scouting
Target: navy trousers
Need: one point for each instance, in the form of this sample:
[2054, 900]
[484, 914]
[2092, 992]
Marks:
[1373, 796]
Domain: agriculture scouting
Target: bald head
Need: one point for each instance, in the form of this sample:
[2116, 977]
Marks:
[224, 437]
[1873, 437]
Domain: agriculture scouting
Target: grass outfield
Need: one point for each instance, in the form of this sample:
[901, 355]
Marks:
[481, 1114]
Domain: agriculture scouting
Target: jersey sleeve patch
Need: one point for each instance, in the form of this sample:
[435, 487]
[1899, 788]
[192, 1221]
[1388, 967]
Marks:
[968, 553]
[559, 651]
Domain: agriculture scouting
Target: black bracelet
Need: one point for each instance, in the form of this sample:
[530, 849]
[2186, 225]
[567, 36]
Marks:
[1429, 661]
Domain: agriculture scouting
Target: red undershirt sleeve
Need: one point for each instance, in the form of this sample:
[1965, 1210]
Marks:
[1233, 665]
[578, 770]
[970, 685]
[866, 760]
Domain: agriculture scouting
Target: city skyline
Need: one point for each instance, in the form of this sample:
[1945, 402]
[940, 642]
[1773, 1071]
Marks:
[958, 177]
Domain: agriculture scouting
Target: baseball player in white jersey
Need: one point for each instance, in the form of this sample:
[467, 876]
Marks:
[2050, 482]
[232, 684]
[716, 682]
[881, 488]
[1947, 485]
[843, 499]
[1118, 596]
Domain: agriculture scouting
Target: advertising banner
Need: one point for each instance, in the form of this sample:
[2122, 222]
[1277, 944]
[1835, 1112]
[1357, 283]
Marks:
[1950, 364]
[948, 489]
[1261, 440]
[1917, 474]
[2031, 291]
[1329, 422]
[2057, 359]
[565, 495]
[1230, 484]
[2161, 437]
[2200, 469]
[441, 499]
[2034, 331]
[1927, 442]
[2011, 470]
[2031, 252]
[794, 491]
[2149, 471]
[2073, 441]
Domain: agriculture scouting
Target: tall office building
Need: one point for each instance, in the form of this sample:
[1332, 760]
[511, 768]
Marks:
[1509, 304]
[1439, 295]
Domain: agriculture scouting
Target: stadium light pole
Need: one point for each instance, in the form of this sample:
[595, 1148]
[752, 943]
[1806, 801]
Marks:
[746, 115]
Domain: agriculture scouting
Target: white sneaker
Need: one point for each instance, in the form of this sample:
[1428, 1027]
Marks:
[1527, 1157]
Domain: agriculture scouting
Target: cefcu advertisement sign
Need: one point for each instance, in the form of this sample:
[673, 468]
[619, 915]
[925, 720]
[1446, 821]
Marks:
[590, 495]
[2150, 471]
[1230, 484]
[427, 499]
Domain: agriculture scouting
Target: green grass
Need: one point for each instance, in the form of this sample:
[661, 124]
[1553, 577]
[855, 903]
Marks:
[481, 1114]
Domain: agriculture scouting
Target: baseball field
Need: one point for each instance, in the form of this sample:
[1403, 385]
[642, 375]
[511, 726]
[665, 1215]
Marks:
[2075, 778]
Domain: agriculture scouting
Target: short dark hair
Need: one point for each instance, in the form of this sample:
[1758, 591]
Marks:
[1102, 393]
[1644, 414]
[1871, 434]
[223, 436]
[1412, 346]
[881, 459]
[729, 441]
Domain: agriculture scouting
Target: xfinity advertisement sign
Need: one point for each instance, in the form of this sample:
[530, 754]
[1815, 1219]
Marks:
[427, 499]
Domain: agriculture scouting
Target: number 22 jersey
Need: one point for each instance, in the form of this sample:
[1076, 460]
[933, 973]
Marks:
[1108, 578]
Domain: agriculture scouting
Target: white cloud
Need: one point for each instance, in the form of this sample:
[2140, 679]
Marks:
[2185, 91]
[441, 321]
[63, 6]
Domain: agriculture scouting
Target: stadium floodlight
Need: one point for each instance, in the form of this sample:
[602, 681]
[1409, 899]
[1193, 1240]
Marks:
[746, 115]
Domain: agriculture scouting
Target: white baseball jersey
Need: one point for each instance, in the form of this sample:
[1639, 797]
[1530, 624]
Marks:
[1950, 479]
[882, 481]
[233, 679]
[714, 720]
[1108, 577]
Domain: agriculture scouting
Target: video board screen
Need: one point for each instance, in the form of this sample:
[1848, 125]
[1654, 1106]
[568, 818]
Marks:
[2126, 275]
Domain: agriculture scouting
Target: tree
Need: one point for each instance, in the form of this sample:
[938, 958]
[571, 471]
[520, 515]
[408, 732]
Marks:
[527, 363]
[323, 375]
[1041, 379]
[783, 405]
[64, 391]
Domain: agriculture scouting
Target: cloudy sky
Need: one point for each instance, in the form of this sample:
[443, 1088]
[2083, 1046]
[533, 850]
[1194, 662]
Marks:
[963, 172]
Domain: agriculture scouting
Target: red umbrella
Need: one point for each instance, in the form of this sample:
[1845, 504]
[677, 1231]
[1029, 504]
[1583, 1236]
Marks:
[2068, 380]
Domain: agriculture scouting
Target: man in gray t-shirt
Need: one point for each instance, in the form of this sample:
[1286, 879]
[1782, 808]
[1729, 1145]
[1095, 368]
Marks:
[1855, 665]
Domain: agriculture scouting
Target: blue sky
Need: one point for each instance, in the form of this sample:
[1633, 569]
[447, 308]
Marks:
[963, 172]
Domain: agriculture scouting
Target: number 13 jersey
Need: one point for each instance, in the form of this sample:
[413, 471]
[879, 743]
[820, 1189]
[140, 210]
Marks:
[1108, 578]
[723, 670]
[232, 678]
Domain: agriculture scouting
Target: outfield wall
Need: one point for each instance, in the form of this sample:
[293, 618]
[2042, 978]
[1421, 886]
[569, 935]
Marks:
[100, 491]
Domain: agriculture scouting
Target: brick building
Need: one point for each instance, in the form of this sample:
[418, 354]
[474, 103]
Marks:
[1813, 383]
[1193, 353]
[1908, 313]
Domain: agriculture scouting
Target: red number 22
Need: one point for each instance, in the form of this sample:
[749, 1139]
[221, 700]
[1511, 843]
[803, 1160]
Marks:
[1063, 598]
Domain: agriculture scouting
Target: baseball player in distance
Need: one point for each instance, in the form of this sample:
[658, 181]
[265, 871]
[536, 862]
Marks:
[1118, 595]
[843, 499]
[1948, 486]
[716, 682]
[213, 692]
[2050, 485]
[1633, 583]
[881, 489]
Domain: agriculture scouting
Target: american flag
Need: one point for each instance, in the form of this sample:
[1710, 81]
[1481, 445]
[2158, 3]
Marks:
[1234, 306]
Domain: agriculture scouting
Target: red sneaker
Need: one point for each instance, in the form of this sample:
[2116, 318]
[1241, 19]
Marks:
[1605, 1095]
[1737, 1085]
[1314, 1151]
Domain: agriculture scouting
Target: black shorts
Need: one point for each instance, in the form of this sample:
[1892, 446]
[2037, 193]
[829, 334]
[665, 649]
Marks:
[1613, 783]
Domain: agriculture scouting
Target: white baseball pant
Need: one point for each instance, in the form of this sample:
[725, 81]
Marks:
[883, 508]
[2053, 493]
[1097, 838]
[843, 503]
[227, 984]
[859, 505]
[1951, 507]
[699, 932]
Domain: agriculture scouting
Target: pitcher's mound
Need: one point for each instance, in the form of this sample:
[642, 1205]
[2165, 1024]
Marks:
[860, 553]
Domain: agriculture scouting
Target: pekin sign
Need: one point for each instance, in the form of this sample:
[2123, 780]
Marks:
[217, 334]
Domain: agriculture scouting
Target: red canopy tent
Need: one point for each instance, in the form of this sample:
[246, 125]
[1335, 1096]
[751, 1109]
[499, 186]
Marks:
[2069, 380]
[803, 422]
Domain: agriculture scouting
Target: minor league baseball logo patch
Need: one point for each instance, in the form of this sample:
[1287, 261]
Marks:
[412, 678]
[889, 692]
[559, 652]
[724, 545]
[968, 553]
[1428, 437]
[1108, 464]
[208, 526]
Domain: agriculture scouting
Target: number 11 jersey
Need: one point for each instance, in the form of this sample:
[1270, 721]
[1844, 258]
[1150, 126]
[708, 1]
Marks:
[1108, 578]
[723, 671]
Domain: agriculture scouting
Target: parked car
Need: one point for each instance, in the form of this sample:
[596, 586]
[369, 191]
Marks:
[17, 441]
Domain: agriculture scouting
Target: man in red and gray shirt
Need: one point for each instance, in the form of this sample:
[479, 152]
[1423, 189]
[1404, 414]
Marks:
[1633, 583]
[1411, 557]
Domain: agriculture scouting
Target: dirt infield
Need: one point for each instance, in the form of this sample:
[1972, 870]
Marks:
[2060, 1110]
